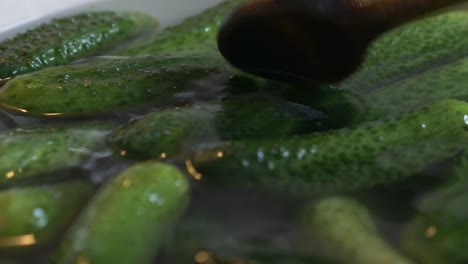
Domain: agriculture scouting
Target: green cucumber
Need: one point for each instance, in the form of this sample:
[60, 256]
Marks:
[431, 85]
[36, 154]
[164, 134]
[437, 233]
[278, 258]
[423, 61]
[173, 132]
[346, 232]
[107, 84]
[421, 45]
[195, 34]
[128, 219]
[34, 217]
[66, 39]
[262, 258]
[256, 116]
[353, 158]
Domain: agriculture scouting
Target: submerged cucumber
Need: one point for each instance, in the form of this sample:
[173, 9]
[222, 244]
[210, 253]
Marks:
[66, 39]
[437, 233]
[31, 155]
[262, 258]
[176, 131]
[447, 82]
[353, 158]
[421, 45]
[35, 217]
[278, 258]
[256, 116]
[165, 133]
[195, 34]
[423, 61]
[346, 232]
[129, 218]
[107, 84]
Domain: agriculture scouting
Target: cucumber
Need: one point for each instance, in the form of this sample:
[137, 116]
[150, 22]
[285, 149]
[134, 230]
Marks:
[34, 217]
[447, 82]
[164, 134]
[128, 219]
[31, 155]
[217, 233]
[278, 258]
[107, 84]
[195, 34]
[66, 39]
[257, 116]
[347, 233]
[423, 61]
[423, 44]
[437, 233]
[263, 258]
[174, 132]
[359, 157]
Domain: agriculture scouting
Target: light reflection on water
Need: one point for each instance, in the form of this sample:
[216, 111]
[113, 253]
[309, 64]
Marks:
[228, 221]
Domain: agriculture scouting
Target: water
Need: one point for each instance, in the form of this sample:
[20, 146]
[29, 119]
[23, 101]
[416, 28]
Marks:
[25, 14]
[232, 225]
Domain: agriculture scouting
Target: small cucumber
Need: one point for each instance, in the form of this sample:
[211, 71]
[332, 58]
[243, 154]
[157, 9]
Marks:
[353, 158]
[437, 233]
[347, 233]
[31, 155]
[34, 217]
[165, 134]
[195, 34]
[423, 61]
[66, 39]
[256, 116]
[128, 219]
[421, 45]
[278, 258]
[107, 84]
[176, 131]
[448, 82]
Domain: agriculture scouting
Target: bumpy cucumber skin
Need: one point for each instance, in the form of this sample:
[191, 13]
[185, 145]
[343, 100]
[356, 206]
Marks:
[106, 85]
[425, 60]
[411, 49]
[164, 134]
[41, 211]
[369, 154]
[32, 155]
[450, 81]
[126, 222]
[195, 34]
[346, 232]
[176, 131]
[66, 39]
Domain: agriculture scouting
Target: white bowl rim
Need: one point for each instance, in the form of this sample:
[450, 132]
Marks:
[25, 14]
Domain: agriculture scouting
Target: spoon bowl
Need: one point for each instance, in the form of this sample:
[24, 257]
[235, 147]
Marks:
[311, 42]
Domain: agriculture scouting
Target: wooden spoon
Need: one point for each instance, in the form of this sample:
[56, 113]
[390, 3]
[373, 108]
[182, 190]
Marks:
[312, 41]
